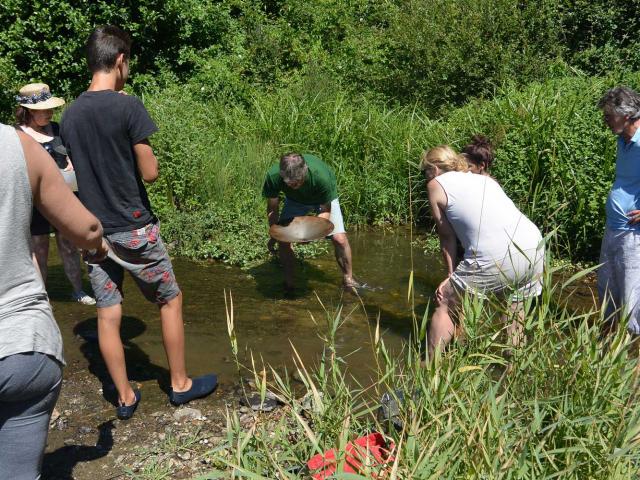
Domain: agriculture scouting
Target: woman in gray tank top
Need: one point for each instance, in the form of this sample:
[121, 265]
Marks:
[30, 343]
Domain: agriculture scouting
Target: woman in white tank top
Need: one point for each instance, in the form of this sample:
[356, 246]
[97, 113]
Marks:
[503, 249]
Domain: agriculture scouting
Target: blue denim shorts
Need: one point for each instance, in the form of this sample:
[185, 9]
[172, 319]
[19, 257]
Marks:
[142, 253]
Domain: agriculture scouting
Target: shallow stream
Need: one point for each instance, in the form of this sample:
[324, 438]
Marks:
[85, 442]
[265, 320]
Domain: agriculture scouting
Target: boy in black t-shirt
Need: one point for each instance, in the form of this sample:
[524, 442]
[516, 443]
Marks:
[106, 134]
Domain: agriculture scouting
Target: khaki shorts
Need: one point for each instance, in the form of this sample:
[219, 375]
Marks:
[142, 253]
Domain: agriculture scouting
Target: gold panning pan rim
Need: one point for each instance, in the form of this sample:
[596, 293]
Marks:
[301, 229]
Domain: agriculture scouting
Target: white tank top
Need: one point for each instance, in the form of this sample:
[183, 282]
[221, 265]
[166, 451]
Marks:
[485, 220]
[26, 320]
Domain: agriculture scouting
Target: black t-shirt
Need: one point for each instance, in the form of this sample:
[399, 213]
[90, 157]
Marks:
[56, 148]
[99, 130]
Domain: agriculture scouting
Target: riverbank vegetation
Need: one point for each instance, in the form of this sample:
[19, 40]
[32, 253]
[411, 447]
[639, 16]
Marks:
[561, 405]
[554, 158]
[366, 85]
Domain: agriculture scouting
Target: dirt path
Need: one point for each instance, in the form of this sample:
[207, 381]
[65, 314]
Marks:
[86, 441]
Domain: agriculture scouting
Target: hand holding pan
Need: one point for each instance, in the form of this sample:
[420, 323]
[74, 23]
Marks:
[301, 229]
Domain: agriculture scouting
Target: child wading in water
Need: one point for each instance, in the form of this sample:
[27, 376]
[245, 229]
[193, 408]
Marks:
[106, 135]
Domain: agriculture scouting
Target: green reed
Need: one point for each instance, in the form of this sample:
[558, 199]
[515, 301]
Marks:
[564, 405]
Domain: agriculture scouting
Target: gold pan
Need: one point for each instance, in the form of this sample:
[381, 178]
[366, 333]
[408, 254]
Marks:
[301, 229]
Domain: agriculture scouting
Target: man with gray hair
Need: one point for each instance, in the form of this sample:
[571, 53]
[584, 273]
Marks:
[309, 186]
[619, 275]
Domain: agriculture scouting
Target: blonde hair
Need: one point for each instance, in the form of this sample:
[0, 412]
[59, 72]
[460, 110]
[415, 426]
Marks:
[445, 158]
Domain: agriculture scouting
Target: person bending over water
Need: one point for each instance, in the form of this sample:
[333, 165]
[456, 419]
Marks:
[309, 185]
[503, 249]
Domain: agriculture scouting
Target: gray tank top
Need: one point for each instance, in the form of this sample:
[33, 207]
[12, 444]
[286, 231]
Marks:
[26, 319]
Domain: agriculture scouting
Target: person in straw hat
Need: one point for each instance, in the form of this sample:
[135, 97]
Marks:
[33, 117]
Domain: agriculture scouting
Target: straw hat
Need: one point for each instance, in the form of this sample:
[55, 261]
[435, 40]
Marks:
[37, 96]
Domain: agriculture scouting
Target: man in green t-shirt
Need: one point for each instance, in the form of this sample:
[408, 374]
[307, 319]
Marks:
[309, 185]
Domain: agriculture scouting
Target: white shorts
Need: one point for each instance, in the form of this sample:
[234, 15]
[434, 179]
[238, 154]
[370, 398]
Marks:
[293, 209]
[516, 277]
[619, 276]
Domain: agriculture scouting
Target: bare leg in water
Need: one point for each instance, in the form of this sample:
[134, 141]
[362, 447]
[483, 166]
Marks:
[288, 260]
[109, 319]
[342, 253]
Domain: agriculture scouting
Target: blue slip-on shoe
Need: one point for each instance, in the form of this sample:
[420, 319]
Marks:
[125, 412]
[200, 387]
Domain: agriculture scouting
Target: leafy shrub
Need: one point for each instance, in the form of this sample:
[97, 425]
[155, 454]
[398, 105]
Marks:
[435, 53]
[44, 40]
[554, 156]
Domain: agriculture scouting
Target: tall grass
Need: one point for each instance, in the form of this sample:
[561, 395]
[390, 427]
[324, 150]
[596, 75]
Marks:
[554, 157]
[565, 405]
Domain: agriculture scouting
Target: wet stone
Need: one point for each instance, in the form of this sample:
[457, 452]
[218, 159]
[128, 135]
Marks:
[391, 405]
[187, 413]
[256, 403]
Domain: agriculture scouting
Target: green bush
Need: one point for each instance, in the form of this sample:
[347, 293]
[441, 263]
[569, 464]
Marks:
[554, 156]
[435, 53]
[44, 40]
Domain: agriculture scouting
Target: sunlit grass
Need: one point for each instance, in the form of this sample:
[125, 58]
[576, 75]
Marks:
[563, 406]
[554, 158]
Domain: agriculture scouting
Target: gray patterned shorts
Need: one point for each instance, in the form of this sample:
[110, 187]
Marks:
[142, 253]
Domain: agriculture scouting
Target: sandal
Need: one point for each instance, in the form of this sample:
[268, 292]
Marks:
[125, 412]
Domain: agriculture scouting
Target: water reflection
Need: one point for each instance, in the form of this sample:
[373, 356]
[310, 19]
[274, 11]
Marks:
[265, 321]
